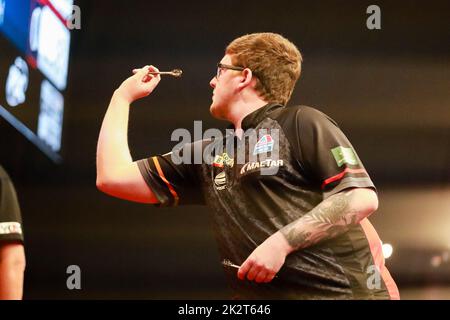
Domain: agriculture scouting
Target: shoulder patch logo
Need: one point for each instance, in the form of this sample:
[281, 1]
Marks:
[344, 155]
[265, 144]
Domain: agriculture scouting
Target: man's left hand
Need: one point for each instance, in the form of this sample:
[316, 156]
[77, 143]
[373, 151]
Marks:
[266, 260]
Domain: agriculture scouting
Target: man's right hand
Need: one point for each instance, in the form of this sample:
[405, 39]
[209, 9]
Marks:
[140, 85]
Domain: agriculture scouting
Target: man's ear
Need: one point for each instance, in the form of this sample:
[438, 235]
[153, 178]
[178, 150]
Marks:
[246, 79]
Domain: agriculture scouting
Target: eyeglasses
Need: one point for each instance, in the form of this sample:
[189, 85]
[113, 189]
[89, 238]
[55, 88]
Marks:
[221, 66]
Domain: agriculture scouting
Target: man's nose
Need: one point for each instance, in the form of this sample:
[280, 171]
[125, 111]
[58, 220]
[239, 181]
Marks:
[213, 82]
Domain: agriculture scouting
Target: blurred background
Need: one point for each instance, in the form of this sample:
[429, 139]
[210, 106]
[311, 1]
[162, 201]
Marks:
[388, 89]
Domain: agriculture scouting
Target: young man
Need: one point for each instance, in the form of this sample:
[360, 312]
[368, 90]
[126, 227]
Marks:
[12, 256]
[300, 232]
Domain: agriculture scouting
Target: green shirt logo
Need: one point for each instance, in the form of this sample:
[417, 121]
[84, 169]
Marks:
[220, 160]
[344, 155]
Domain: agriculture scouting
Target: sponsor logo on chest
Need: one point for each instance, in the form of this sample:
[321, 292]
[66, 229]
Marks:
[223, 159]
[220, 181]
[268, 163]
[264, 145]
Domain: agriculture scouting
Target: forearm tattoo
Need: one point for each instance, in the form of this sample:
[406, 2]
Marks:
[330, 218]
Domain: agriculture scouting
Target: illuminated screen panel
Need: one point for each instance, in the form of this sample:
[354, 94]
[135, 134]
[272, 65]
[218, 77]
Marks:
[34, 60]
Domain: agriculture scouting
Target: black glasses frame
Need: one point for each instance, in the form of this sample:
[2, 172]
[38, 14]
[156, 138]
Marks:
[221, 66]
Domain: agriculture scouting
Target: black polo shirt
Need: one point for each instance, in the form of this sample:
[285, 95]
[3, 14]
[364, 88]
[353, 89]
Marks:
[297, 158]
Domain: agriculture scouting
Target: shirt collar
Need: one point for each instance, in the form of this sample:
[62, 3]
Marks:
[253, 119]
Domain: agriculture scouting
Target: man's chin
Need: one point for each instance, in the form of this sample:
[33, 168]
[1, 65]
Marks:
[215, 112]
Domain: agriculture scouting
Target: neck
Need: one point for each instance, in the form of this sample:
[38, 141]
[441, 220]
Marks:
[242, 109]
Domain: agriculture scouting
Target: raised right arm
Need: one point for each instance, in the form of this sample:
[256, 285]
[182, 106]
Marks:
[117, 174]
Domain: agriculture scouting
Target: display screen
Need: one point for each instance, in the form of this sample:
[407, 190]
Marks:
[34, 63]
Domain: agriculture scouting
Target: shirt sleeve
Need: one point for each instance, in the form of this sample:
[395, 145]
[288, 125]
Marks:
[10, 216]
[327, 154]
[173, 177]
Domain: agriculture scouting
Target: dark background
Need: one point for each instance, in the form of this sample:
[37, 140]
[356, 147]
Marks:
[388, 89]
